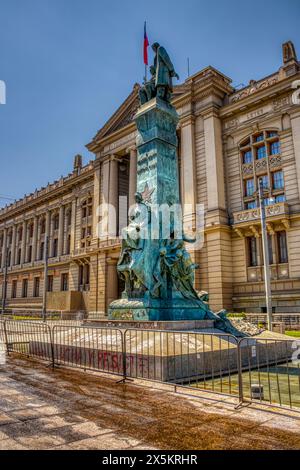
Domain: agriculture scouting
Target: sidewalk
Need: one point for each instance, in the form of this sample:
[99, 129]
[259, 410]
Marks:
[70, 409]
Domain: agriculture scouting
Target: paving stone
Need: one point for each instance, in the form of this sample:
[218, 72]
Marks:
[11, 444]
[6, 419]
[89, 411]
[104, 442]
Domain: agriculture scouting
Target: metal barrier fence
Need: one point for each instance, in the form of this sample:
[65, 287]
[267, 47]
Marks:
[31, 339]
[191, 359]
[90, 348]
[250, 369]
[270, 371]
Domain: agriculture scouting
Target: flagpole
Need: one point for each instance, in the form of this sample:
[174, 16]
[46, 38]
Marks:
[146, 43]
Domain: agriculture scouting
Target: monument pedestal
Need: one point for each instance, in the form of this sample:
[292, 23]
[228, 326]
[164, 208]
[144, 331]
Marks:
[169, 310]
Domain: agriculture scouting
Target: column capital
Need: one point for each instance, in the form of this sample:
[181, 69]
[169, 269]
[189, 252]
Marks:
[131, 148]
[187, 121]
[112, 261]
[209, 112]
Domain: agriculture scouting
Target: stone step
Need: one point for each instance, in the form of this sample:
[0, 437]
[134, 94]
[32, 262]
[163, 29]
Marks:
[184, 325]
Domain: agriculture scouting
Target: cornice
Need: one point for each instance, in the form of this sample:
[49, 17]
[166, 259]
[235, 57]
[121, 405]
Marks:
[47, 194]
[259, 96]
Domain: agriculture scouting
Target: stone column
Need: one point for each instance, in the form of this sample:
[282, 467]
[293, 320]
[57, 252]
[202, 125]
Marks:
[27, 260]
[13, 246]
[38, 246]
[61, 231]
[47, 224]
[112, 277]
[295, 124]
[132, 175]
[34, 239]
[4, 248]
[105, 200]
[188, 172]
[214, 167]
[73, 225]
[113, 197]
[64, 249]
[47, 231]
[23, 246]
[51, 235]
[96, 201]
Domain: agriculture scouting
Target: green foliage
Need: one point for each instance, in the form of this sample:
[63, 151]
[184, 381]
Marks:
[294, 333]
[237, 315]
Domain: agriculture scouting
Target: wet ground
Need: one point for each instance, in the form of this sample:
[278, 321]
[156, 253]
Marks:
[70, 409]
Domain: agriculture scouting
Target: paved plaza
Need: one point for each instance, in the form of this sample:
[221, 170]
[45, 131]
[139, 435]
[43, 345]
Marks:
[70, 409]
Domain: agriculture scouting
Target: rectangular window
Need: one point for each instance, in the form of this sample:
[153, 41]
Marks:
[65, 282]
[25, 288]
[265, 181]
[269, 201]
[261, 152]
[14, 289]
[50, 283]
[249, 187]
[270, 249]
[29, 254]
[247, 156]
[251, 205]
[252, 249]
[278, 182]
[68, 248]
[55, 245]
[36, 287]
[275, 148]
[19, 256]
[42, 248]
[259, 138]
[280, 198]
[56, 222]
[282, 247]
[272, 134]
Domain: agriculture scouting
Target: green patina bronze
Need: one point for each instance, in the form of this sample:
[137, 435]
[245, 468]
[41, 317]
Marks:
[157, 270]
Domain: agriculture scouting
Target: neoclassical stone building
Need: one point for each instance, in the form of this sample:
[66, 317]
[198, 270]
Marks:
[228, 139]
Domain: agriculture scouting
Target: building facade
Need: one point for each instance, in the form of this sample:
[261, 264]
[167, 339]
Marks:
[228, 140]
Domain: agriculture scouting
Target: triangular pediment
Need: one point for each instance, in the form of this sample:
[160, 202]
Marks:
[122, 116]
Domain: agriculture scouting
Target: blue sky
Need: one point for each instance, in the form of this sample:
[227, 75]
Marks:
[68, 64]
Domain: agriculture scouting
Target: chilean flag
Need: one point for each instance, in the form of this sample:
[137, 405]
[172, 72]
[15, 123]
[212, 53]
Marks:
[146, 44]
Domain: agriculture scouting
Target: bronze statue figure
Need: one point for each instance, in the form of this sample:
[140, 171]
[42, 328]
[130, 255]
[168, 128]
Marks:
[162, 72]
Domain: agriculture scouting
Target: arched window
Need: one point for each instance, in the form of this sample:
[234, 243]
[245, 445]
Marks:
[261, 159]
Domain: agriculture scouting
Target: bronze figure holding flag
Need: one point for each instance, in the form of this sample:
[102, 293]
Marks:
[162, 73]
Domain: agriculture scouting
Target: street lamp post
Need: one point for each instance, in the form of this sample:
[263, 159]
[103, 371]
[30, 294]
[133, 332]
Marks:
[265, 254]
[46, 249]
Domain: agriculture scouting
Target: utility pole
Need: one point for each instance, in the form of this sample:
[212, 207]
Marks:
[4, 287]
[265, 254]
[46, 250]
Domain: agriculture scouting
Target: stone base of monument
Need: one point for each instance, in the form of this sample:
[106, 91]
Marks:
[167, 356]
[157, 309]
[180, 325]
